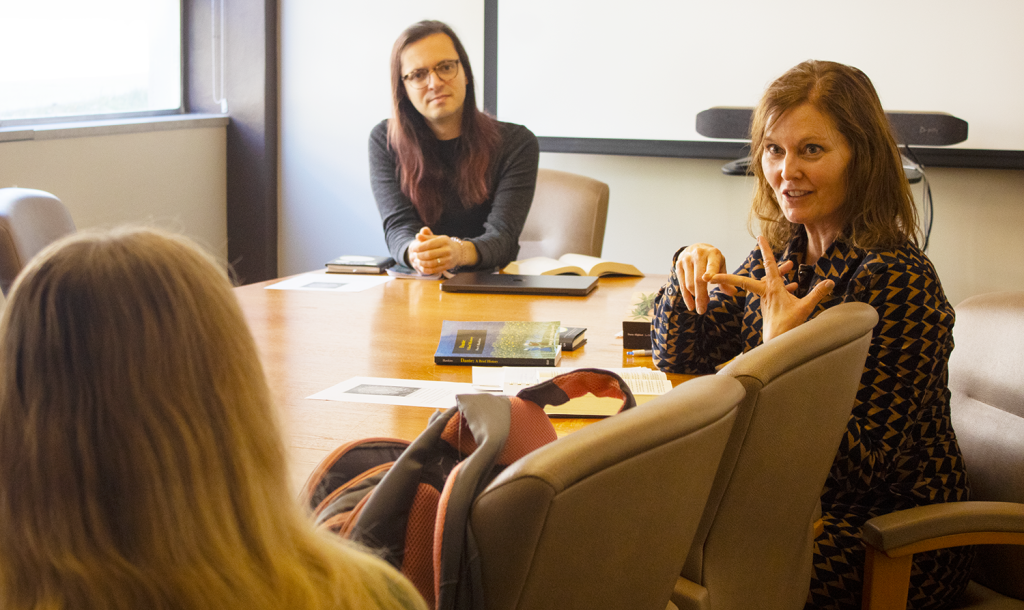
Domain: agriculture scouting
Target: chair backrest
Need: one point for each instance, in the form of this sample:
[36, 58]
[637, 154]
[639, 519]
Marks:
[986, 383]
[29, 221]
[568, 214]
[754, 546]
[602, 518]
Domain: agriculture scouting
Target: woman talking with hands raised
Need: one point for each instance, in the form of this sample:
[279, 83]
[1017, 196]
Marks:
[452, 184]
[838, 223]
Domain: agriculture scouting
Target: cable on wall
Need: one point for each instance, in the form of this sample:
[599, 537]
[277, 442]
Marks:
[926, 199]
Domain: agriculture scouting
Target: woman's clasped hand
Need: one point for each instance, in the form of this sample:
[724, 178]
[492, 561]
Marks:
[430, 254]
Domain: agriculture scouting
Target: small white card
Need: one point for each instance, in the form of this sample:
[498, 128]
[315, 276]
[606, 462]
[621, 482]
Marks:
[320, 281]
[405, 392]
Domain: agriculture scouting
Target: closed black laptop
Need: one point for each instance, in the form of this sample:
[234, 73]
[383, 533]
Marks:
[480, 281]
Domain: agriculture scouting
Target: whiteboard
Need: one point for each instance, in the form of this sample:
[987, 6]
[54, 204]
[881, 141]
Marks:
[643, 69]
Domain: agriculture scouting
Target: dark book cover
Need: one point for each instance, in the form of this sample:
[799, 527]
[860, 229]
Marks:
[571, 337]
[636, 335]
[636, 328]
[499, 344]
[359, 264]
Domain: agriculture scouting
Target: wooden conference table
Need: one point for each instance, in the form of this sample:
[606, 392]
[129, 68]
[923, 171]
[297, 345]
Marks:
[310, 341]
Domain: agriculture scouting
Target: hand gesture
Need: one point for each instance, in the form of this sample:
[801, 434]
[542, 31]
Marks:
[694, 265]
[781, 310]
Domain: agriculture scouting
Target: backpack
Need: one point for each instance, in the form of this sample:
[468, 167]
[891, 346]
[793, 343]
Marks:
[410, 502]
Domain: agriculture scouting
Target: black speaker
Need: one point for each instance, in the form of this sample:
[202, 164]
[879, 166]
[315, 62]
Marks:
[927, 128]
[910, 128]
[725, 123]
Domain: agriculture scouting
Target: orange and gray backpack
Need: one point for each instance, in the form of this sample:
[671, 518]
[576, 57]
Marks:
[410, 502]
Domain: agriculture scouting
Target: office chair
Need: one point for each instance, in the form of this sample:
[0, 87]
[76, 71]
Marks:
[568, 214]
[602, 518]
[987, 410]
[29, 221]
[756, 539]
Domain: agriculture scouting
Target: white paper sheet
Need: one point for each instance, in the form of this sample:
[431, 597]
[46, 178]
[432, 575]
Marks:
[321, 281]
[405, 392]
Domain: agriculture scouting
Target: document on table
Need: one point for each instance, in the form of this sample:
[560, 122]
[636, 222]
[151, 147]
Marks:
[321, 281]
[405, 392]
[510, 379]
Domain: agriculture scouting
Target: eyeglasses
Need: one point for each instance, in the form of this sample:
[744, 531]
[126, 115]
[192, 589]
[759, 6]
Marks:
[446, 70]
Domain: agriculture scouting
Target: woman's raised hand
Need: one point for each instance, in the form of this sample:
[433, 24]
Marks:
[781, 310]
[694, 265]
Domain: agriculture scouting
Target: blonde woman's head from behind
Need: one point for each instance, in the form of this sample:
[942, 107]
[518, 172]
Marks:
[140, 461]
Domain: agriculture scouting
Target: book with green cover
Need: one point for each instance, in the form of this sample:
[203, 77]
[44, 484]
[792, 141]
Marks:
[499, 344]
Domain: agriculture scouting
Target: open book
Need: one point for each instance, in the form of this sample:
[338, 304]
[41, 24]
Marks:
[578, 264]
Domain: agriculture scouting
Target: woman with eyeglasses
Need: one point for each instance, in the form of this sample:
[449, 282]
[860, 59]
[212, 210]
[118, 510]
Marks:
[452, 184]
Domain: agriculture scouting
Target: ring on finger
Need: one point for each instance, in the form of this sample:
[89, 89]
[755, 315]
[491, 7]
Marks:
[438, 261]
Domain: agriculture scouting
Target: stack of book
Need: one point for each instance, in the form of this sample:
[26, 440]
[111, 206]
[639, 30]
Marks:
[571, 337]
[352, 263]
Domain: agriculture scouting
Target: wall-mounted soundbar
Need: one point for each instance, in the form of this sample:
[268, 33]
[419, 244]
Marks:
[910, 128]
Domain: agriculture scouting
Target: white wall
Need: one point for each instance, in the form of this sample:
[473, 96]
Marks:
[174, 179]
[334, 88]
[657, 64]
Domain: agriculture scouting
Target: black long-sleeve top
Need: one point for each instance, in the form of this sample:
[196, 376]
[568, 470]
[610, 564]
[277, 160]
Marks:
[493, 226]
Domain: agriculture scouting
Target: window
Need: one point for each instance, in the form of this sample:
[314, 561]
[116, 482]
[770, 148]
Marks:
[95, 59]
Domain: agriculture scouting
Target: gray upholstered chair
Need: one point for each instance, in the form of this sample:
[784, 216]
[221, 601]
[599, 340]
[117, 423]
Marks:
[986, 382]
[29, 221]
[568, 214]
[602, 518]
[754, 546]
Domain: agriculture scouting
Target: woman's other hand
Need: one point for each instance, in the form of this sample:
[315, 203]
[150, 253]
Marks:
[781, 310]
[693, 265]
[430, 254]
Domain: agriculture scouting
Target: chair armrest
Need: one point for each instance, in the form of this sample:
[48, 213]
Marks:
[949, 524]
[688, 595]
[891, 541]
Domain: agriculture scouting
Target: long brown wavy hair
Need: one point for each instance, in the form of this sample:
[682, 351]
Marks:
[419, 168]
[141, 464]
[879, 210]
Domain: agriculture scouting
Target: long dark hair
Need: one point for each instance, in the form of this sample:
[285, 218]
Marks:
[419, 168]
[879, 209]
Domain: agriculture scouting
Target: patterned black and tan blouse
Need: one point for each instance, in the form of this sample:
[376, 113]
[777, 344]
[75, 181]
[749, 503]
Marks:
[899, 449]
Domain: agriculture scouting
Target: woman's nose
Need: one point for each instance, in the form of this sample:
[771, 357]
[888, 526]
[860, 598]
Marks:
[790, 167]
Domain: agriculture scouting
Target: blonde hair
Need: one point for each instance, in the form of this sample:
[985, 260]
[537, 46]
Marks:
[879, 210]
[141, 464]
